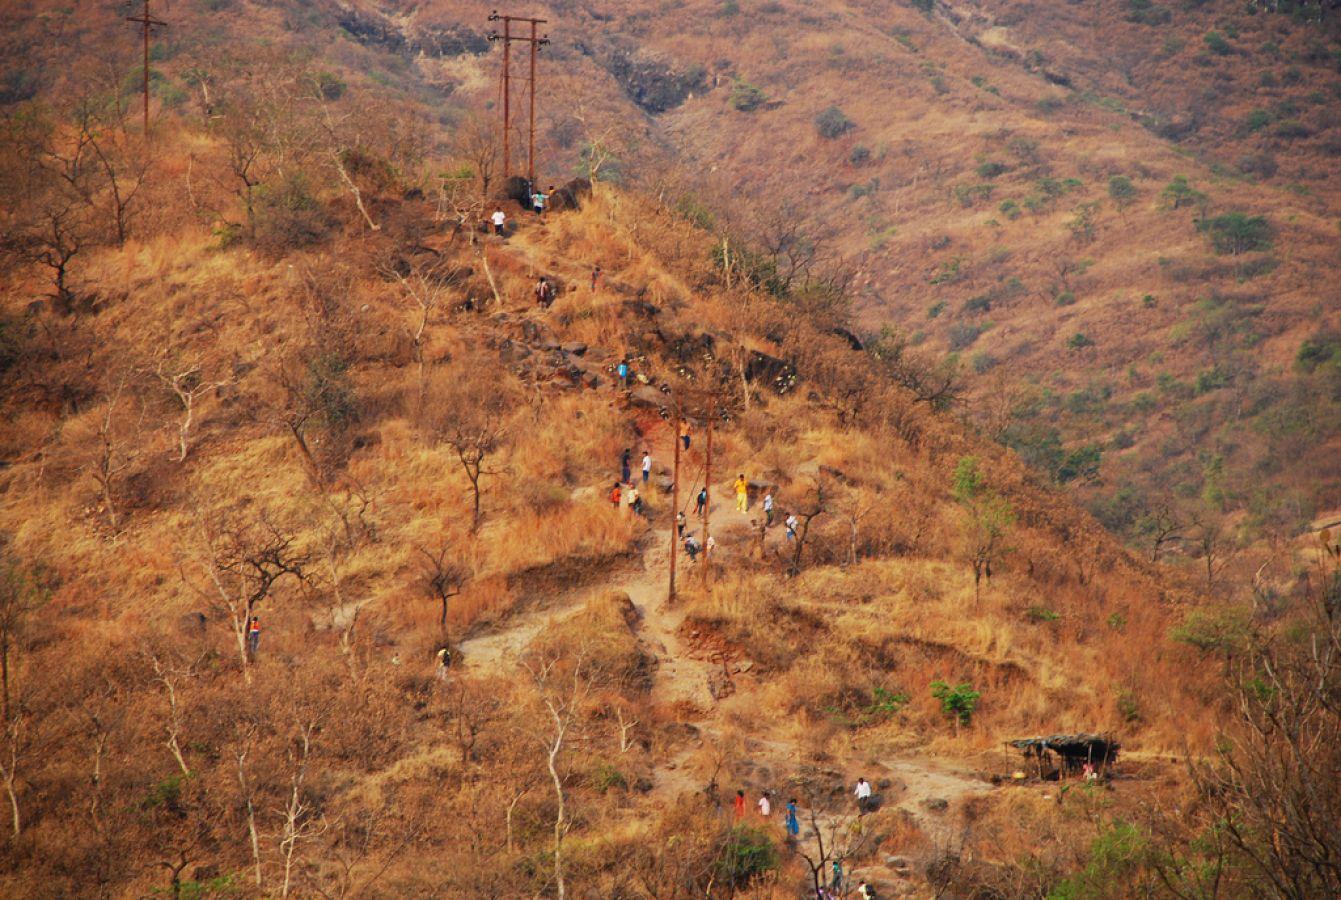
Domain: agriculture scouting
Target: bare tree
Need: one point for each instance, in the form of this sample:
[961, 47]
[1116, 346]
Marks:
[297, 822]
[185, 383]
[115, 451]
[836, 834]
[469, 414]
[563, 686]
[815, 504]
[443, 578]
[168, 677]
[20, 596]
[243, 561]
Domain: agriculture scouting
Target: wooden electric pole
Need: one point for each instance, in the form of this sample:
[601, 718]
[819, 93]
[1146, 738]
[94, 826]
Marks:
[707, 488]
[675, 504]
[147, 23]
[536, 42]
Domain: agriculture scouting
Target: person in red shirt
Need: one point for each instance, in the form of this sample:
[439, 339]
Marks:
[740, 804]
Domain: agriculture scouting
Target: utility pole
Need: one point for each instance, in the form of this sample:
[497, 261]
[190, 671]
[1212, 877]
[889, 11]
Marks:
[707, 488]
[147, 23]
[675, 504]
[535, 41]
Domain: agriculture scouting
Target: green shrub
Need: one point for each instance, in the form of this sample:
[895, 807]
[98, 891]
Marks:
[979, 304]
[1121, 189]
[935, 309]
[884, 704]
[1292, 129]
[1010, 209]
[288, 217]
[1079, 341]
[957, 702]
[992, 169]
[963, 335]
[1144, 12]
[746, 97]
[859, 156]
[1236, 232]
[1319, 350]
[1149, 301]
[1115, 855]
[832, 123]
[925, 6]
[1216, 43]
[1040, 614]
[1178, 193]
[949, 272]
[749, 852]
[1066, 298]
[606, 777]
[1218, 630]
[983, 363]
[330, 86]
[1081, 464]
[1256, 121]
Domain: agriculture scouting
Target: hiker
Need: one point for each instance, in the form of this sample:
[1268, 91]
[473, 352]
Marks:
[765, 806]
[595, 278]
[709, 547]
[538, 202]
[679, 523]
[740, 804]
[1087, 771]
[691, 548]
[615, 496]
[647, 467]
[791, 524]
[625, 465]
[793, 825]
[544, 293]
[622, 370]
[444, 661]
[742, 493]
[635, 501]
[701, 502]
[863, 794]
[768, 509]
[498, 218]
[684, 433]
[253, 635]
[837, 881]
[865, 892]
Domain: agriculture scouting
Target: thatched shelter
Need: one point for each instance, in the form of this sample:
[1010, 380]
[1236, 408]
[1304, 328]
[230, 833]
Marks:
[1073, 752]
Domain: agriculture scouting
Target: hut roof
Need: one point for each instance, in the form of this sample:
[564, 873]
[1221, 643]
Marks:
[1102, 744]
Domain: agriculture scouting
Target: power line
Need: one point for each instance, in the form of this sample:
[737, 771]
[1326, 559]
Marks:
[147, 24]
[535, 42]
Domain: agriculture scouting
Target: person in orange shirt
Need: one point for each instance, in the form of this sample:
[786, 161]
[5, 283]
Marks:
[740, 804]
[742, 493]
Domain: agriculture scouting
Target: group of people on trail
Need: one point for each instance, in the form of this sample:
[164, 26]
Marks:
[791, 822]
[625, 491]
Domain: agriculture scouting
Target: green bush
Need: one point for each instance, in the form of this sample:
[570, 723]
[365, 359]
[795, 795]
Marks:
[1010, 209]
[1236, 232]
[992, 169]
[1319, 350]
[1216, 43]
[1066, 298]
[1219, 630]
[963, 335]
[957, 702]
[1292, 129]
[1178, 193]
[935, 309]
[983, 363]
[1121, 189]
[1144, 12]
[832, 123]
[746, 97]
[1256, 121]
[859, 156]
[749, 852]
[288, 217]
[1040, 614]
[1079, 341]
[606, 777]
[979, 304]
[1081, 464]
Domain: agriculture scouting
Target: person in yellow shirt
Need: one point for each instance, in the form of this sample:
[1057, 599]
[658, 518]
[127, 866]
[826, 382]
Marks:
[742, 493]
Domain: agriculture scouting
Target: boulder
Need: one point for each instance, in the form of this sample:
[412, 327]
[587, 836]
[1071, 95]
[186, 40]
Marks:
[646, 395]
[517, 189]
[777, 374]
[570, 196]
[575, 348]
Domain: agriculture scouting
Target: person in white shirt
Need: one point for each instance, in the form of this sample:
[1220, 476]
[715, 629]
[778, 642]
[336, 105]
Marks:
[768, 509]
[647, 466]
[863, 794]
[498, 218]
[765, 806]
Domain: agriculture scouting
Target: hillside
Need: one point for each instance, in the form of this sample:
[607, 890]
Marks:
[284, 370]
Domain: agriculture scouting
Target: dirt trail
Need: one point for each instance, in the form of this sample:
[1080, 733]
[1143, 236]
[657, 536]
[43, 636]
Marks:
[928, 790]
